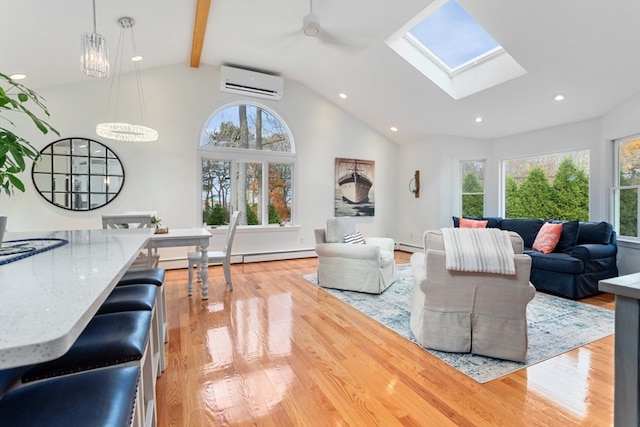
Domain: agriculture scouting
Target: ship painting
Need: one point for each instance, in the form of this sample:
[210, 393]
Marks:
[354, 179]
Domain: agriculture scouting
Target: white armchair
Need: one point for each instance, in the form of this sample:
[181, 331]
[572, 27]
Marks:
[368, 267]
[461, 312]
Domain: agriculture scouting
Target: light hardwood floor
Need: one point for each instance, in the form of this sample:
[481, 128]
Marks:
[278, 351]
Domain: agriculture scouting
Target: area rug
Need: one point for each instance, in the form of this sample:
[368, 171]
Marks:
[556, 325]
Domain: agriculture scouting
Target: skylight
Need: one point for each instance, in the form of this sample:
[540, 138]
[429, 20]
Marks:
[452, 35]
[445, 44]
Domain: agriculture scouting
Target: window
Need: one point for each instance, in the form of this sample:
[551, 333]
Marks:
[469, 42]
[449, 47]
[548, 186]
[472, 172]
[247, 162]
[626, 203]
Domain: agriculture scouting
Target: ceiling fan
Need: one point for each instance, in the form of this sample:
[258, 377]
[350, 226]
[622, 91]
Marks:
[311, 28]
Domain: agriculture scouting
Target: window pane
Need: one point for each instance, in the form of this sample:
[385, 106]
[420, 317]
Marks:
[629, 212]
[630, 162]
[246, 126]
[472, 188]
[216, 191]
[279, 193]
[469, 41]
[249, 188]
[550, 186]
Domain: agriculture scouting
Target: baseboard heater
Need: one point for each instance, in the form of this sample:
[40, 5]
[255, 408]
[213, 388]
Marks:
[176, 263]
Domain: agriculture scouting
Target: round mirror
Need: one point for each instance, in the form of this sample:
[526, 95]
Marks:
[78, 174]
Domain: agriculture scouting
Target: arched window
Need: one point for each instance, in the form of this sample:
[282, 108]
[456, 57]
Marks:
[247, 162]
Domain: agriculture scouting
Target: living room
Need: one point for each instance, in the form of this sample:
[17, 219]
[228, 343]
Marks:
[164, 176]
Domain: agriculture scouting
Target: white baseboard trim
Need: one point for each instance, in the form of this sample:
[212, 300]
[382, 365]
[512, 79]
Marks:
[178, 263]
[408, 247]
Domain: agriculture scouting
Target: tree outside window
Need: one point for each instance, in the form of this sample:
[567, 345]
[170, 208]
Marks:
[242, 144]
[472, 172]
[549, 186]
[626, 203]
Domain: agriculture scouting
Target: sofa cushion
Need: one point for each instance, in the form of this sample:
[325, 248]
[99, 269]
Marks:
[569, 236]
[547, 238]
[559, 262]
[527, 228]
[594, 232]
[473, 223]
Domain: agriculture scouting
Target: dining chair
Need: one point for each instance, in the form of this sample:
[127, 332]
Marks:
[216, 257]
[127, 221]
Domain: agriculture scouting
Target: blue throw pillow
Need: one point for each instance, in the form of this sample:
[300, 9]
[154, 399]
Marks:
[568, 237]
[527, 228]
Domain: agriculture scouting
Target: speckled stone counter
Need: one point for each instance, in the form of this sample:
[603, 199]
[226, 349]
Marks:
[627, 348]
[47, 299]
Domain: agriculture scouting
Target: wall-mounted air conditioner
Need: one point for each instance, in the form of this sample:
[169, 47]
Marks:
[250, 83]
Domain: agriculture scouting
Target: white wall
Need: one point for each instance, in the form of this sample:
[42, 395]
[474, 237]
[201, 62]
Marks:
[161, 176]
[437, 159]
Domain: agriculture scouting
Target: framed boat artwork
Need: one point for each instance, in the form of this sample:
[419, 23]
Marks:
[354, 187]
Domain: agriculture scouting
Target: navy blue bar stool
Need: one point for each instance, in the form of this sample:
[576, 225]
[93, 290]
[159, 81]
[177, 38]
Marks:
[152, 276]
[138, 297]
[105, 397]
[108, 340]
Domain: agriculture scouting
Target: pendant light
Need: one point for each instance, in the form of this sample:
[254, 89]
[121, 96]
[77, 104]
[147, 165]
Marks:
[94, 60]
[121, 131]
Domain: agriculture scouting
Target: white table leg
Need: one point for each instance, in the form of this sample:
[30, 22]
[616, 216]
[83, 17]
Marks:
[204, 272]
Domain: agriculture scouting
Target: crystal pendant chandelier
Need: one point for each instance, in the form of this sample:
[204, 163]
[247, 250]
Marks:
[120, 131]
[94, 60]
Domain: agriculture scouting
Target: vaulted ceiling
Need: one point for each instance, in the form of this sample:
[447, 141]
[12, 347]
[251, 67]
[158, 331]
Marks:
[587, 50]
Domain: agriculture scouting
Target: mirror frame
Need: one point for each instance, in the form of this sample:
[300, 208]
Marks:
[92, 174]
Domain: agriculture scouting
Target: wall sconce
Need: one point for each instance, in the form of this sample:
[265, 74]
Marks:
[414, 184]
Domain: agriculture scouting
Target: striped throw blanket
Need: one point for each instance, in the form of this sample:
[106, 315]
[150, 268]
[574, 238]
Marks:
[483, 250]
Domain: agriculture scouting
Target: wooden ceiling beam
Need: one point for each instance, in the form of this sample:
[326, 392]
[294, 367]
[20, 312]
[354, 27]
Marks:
[199, 30]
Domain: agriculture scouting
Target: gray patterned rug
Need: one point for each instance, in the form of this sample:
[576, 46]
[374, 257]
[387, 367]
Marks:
[556, 325]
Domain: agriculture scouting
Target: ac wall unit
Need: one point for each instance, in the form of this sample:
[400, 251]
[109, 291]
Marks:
[250, 83]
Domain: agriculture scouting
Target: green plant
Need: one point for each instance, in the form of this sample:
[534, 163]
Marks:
[13, 148]
[156, 221]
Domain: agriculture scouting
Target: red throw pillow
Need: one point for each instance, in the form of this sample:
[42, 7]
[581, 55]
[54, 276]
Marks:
[547, 238]
[472, 223]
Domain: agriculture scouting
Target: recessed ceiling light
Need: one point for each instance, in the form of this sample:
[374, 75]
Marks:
[393, 129]
[559, 97]
[137, 58]
[18, 76]
[478, 119]
[343, 95]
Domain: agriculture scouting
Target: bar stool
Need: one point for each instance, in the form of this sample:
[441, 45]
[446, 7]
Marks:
[152, 276]
[138, 297]
[105, 397]
[108, 340]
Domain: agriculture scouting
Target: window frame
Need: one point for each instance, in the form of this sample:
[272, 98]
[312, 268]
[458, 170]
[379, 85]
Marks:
[616, 188]
[503, 174]
[248, 155]
[461, 177]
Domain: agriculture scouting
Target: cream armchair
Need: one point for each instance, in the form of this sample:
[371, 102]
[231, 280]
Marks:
[368, 267]
[462, 312]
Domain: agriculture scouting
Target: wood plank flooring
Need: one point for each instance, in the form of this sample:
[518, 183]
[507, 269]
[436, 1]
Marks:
[278, 351]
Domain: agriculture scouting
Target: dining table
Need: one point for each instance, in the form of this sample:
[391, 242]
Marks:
[49, 295]
[197, 237]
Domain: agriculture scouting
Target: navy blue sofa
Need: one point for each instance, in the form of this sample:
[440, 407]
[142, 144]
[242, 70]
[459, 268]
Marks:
[585, 254]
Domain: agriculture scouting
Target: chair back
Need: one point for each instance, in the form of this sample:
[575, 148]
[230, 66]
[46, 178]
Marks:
[116, 221]
[231, 232]
[337, 228]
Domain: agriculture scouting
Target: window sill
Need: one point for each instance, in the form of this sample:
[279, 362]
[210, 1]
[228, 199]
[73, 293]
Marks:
[272, 228]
